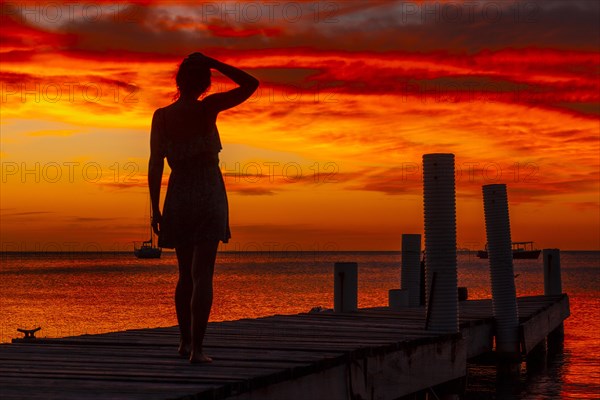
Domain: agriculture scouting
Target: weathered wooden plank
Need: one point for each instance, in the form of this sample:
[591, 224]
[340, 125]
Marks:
[281, 356]
[338, 323]
[129, 371]
[223, 340]
[157, 354]
[289, 328]
[539, 325]
[265, 344]
[148, 363]
[294, 328]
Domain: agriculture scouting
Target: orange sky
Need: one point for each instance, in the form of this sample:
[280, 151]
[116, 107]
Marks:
[327, 154]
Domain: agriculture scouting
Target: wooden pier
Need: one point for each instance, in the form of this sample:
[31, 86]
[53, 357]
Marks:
[374, 353]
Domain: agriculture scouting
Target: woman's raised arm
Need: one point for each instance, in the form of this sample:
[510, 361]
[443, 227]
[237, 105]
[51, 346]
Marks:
[222, 101]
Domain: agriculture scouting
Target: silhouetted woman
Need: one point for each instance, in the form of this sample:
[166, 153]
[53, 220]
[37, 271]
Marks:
[195, 213]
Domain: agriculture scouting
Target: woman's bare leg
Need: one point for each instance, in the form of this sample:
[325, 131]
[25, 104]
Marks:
[183, 298]
[203, 266]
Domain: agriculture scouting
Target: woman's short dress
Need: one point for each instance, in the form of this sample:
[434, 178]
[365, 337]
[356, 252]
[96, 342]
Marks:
[195, 208]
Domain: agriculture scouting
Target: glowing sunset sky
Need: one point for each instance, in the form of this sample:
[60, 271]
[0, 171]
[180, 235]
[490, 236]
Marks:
[327, 154]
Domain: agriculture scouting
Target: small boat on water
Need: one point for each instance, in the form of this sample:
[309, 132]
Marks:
[147, 249]
[520, 250]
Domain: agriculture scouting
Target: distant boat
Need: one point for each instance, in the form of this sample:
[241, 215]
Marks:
[520, 250]
[147, 248]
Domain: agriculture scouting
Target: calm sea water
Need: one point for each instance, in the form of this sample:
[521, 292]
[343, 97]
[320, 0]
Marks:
[76, 293]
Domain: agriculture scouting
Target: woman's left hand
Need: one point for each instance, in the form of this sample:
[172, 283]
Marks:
[202, 58]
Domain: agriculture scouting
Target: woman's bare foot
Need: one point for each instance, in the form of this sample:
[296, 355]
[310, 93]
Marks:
[197, 358]
[184, 349]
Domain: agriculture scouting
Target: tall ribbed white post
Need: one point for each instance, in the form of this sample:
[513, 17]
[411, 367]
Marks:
[499, 247]
[411, 268]
[440, 242]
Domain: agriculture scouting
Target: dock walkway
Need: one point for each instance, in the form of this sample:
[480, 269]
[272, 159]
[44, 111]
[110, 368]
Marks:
[375, 353]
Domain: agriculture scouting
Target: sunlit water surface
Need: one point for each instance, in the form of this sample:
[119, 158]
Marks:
[70, 294]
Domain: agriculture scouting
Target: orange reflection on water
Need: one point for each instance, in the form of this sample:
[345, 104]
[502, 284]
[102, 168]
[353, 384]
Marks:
[76, 294]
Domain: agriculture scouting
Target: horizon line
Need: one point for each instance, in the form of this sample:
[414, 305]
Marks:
[249, 251]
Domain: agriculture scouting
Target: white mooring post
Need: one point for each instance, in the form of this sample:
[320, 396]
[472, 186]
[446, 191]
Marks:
[553, 286]
[440, 242]
[411, 268]
[552, 278]
[397, 299]
[499, 246]
[345, 286]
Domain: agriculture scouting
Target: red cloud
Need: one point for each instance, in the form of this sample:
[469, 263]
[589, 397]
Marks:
[231, 32]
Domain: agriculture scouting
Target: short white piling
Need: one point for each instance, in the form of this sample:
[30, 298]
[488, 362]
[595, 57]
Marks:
[345, 286]
[553, 286]
[440, 242]
[552, 278]
[397, 299]
[499, 247]
[411, 268]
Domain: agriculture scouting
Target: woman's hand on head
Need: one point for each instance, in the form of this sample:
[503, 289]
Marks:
[195, 55]
[202, 58]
